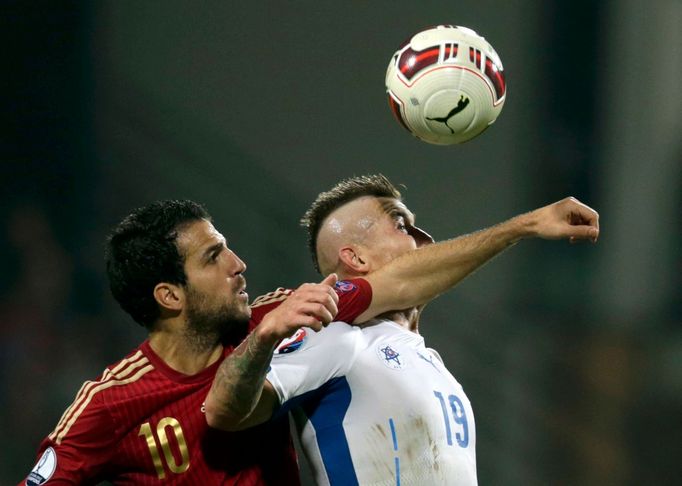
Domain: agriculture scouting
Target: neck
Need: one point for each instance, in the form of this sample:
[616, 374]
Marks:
[408, 318]
[182, 354]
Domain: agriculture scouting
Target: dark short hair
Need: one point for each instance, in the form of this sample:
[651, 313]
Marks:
[142, 251]
[347, 190]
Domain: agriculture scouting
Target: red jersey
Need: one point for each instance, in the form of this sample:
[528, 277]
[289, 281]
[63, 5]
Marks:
[143, 423]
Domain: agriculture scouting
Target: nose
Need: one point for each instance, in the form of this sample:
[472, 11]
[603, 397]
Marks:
[238, 264]
[421, 237]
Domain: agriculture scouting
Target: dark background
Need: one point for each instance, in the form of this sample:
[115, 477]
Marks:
[571, 355]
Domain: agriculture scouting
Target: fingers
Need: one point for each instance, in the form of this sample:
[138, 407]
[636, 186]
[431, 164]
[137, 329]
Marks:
[319, 292]
[312, 305]
[584, 221]
[330, 280]
[314, 313]
[585, 213]
[322, 293]
[319, 312]
[583, 233]
[307, 308]
[570, 218]
[307, 320]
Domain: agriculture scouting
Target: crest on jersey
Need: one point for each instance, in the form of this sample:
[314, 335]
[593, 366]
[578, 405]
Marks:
[391, 356]
[293, 343]
[344, 286]
[44, 469]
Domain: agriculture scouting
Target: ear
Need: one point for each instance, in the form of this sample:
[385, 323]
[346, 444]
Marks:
[352, 258]
[169, 296]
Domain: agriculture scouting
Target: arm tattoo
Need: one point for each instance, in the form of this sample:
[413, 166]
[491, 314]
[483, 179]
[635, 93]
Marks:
[239, 380]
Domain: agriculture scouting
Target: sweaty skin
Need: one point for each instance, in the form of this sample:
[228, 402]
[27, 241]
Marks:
[353, 223]
[405, 270]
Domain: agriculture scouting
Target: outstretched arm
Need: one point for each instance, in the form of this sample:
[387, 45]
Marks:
[240, 396]
[419, 276]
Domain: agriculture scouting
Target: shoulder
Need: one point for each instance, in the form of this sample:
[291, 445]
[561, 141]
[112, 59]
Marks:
[332, 340]
[127, 372]
[263, 304]
[309, 359]
[277, 295]
[91, 409]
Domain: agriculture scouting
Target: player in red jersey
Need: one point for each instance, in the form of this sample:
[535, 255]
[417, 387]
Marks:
[194, 310]
[142, 421]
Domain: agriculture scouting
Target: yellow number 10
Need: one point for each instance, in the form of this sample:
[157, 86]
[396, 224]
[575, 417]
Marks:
[162, 438]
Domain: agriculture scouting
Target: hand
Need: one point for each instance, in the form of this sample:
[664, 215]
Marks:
[310, 305]
[568, 218]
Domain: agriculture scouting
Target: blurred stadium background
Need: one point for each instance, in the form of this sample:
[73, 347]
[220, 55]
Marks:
[571, 355]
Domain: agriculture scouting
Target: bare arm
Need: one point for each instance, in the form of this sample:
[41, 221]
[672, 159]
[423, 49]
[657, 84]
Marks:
[240, 396]
[419, 276]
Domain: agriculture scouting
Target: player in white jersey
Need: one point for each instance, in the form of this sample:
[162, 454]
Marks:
[371, 396]
[374, 406]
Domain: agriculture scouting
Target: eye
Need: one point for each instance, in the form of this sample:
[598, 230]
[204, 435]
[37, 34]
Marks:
[400, 225]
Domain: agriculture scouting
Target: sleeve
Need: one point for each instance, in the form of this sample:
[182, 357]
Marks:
[355, 296]
[309, 359]
[79, 447]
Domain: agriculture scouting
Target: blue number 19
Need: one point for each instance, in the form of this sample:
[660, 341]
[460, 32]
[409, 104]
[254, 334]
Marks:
[458, 415]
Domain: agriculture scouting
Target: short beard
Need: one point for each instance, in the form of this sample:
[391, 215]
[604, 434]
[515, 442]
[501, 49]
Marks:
[208, 326]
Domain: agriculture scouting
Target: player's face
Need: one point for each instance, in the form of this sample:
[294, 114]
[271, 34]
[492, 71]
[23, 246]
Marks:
[394, 232]
[215, 290]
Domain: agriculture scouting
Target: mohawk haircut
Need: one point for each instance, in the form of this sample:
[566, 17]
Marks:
[347, 190]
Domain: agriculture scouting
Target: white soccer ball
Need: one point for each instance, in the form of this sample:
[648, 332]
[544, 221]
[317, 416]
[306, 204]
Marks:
[446, 84]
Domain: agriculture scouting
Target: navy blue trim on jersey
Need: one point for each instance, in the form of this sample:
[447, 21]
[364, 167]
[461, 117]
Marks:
[395, 448]
[326, 408]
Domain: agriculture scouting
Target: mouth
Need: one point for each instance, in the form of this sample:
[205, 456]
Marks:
[241, 286]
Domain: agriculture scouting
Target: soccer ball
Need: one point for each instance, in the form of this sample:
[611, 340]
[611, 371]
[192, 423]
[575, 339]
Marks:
[446, 84]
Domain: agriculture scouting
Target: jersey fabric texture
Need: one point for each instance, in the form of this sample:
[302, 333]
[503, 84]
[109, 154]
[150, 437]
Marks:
[374, 406]
[355, 296]
[143, 423]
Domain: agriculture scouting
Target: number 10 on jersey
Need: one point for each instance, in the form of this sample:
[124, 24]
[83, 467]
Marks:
[458, 415]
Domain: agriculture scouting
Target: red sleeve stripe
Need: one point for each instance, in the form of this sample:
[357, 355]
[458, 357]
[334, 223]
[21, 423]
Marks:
[127, 371]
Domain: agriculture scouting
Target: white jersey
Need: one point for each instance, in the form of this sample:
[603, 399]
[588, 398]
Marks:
[374, 406]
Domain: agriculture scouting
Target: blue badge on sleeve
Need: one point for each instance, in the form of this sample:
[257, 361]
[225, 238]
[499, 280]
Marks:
[343, 286]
